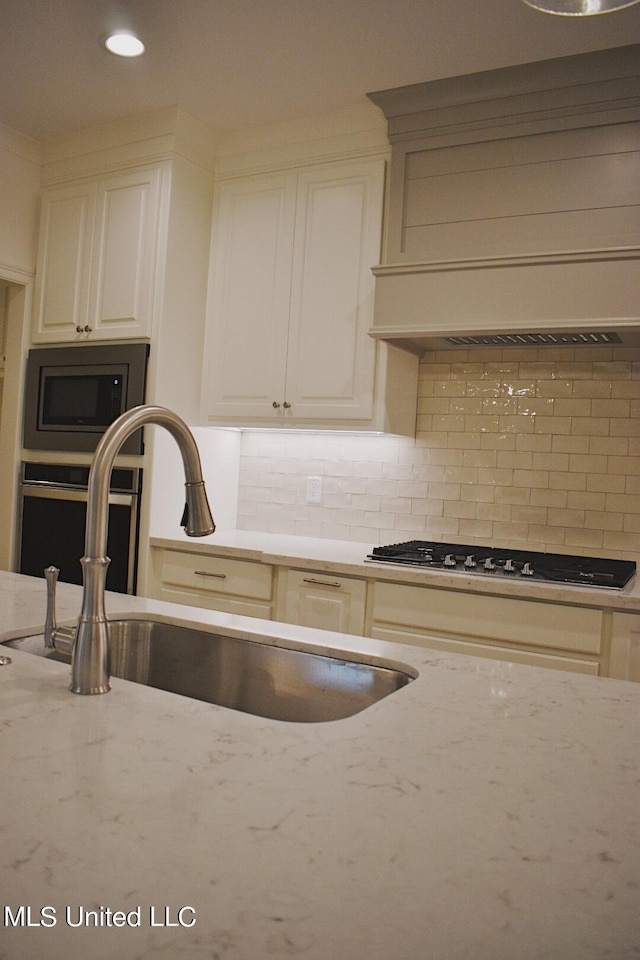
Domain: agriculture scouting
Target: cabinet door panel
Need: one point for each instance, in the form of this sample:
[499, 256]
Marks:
[249, 313]
[325, 602]
[331, 358]
[62, 278]
[624, 657]
[123, 273]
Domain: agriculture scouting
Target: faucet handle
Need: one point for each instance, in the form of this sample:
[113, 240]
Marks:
[54, 636]
[51, 576]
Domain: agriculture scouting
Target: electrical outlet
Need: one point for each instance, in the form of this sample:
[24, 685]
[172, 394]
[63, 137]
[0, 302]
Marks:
[314, 489]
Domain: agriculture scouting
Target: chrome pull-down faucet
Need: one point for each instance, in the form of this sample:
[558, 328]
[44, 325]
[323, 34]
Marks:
[90, 655]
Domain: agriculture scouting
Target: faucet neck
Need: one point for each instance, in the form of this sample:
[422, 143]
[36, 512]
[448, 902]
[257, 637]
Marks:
[103, 461]
[90, 660]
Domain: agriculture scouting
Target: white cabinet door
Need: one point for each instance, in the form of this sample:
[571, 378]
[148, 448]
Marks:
[624, 655]
[323, 601]
[248, 316]
[64, 259]
[291, 297]
[331, 358]
[97, 257]
[124, 256]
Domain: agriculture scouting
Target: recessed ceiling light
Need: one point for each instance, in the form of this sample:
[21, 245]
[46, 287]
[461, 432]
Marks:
[124, 44]
[580, 8]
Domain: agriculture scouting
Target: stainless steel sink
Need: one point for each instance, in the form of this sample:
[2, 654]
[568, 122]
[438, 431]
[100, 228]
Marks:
[258, 678]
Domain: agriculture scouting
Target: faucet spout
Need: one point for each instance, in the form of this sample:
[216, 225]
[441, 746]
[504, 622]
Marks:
[90, 658]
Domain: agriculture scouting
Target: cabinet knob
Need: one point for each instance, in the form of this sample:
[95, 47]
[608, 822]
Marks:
[88, 329]
[78, 329]
[275, 405]
[286, 405]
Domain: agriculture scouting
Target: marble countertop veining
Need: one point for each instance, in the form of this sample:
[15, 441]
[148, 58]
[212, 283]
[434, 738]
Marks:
[349, 558]
[486, 810]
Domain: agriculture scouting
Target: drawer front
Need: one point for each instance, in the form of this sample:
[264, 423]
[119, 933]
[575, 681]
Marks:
[505, 619]
[479, 649]
[220, 575]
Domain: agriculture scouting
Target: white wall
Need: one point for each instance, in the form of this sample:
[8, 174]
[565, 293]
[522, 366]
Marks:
[220, 457]
[20, 174]
[19, 201]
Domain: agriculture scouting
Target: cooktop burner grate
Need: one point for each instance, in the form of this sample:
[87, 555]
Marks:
[501, 562]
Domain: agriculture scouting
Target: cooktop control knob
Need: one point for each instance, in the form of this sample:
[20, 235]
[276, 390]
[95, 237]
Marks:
[449, 560]
[489, 564]
[527, 570]
[509, 566]
[470, 562]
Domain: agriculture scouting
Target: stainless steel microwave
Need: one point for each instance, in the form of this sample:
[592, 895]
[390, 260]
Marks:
[72, 394]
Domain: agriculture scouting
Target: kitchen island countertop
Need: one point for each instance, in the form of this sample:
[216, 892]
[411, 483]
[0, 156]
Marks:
[486, 810]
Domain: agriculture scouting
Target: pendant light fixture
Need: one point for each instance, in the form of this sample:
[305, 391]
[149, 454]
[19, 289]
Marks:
[579, 8]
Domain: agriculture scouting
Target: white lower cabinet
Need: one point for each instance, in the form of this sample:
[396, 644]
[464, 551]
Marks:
[624, 651]
[523, 631]
[562, 636]
[218, 583]
[321, 600]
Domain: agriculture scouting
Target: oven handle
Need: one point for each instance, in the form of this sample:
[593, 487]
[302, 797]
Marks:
[79, 494]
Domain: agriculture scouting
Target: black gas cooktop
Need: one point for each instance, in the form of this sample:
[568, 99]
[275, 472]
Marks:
[499, 562]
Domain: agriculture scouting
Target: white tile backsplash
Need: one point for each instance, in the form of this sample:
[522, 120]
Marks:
[522, 448]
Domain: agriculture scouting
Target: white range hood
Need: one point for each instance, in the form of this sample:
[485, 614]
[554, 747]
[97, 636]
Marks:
[514, 207]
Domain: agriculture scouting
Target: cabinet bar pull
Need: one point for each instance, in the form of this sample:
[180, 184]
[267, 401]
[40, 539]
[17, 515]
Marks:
[322, 583]
[206, 573]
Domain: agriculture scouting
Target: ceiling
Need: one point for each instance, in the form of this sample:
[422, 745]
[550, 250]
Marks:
[240, 63]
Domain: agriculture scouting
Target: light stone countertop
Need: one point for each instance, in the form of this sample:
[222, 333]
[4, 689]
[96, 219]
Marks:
[347, 558]
[486, 811]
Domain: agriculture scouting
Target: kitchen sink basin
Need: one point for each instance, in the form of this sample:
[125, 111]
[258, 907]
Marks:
[258, 678]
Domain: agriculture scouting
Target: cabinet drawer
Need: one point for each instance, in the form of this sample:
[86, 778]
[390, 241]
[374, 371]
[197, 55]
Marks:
[189, 571]
[480, 649]
[504, 619]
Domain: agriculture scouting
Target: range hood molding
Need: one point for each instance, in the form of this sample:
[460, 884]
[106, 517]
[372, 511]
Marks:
[547, 94]
[419, 305]
[514, 203]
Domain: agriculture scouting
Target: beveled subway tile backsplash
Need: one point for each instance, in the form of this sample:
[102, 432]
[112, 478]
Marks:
[536, 448]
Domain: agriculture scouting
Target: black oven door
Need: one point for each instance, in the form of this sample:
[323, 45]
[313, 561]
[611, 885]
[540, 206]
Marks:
[53, 529]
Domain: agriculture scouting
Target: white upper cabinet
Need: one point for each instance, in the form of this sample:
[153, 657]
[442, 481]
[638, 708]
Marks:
[248, 316]
[291, 299]
[97, 255]
[330, 358]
